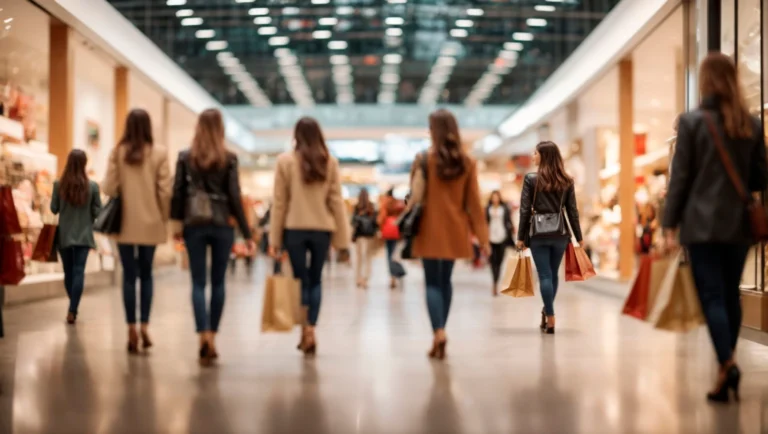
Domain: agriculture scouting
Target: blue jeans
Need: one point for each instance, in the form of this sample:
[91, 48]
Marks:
[717, 270]
[73, 259]
[298, 243]
[437, 275]
[390, 244]
[137, 263]
[547, 255]
[197, 240]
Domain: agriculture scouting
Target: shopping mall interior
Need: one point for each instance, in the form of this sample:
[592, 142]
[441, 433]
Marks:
[603, 79]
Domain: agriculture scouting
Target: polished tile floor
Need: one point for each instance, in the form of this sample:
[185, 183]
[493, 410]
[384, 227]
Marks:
[600, 374]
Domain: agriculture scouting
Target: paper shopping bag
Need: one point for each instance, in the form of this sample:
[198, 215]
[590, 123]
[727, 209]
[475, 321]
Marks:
[521, 284]
[281, 310]
[47, 242]
[9, 218]
[636, 304]
[676, 307]
[508, 269]
[578, 267]
[11, 262]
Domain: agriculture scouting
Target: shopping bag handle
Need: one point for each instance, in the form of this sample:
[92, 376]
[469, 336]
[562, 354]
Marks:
[277, 268]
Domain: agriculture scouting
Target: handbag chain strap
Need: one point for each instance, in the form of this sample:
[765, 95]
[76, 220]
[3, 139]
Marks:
[726, 160]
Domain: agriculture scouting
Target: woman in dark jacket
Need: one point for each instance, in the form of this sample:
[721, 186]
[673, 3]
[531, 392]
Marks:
[548, 196]
[500, 229]
[704, 204]
[206, 193]
[364, 229]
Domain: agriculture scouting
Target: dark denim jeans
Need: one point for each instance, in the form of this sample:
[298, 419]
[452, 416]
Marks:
[137, 263]
[73, 258]
[547, 255]
[437, 275]
[390, 245]
[717, 270]
[298, 243]
[197, 240]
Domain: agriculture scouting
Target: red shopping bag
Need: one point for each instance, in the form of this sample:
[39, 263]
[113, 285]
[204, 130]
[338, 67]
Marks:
[9, 220]
[47, 242]
[578, 267]
[637, 303]
[11, 262]
[389, 230]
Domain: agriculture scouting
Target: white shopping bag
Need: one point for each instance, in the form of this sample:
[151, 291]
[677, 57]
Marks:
[507, 268]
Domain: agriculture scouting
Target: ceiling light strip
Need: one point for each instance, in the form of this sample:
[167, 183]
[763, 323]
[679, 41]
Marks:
[438, 77]
[295, 81]
[493, 76]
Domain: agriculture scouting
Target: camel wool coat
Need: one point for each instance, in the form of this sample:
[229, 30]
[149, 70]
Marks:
[145, 190]
[452, 212]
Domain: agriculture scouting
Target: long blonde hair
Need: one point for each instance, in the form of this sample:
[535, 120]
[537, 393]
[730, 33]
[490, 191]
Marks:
[718, 80]
[208, 148]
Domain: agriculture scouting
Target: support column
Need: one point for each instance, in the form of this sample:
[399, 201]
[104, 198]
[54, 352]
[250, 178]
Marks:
[627, 172]
[61, 72]
[121, 100]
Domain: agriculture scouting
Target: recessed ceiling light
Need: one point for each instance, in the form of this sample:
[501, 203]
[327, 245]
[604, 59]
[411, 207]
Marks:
[181, 13]
[544, 8]
[446, 61]
[536, 22]
[555, 1]
[390, 78]
[258, 11]
[397, 2]
[320, 2]
[268, 31]
[393, 58]
[283, 52]
[464, 23]
[475, 12]
[513, 46]
[337, 45]
[459, 33]
[345, 10]
[216, 45]
[394, 31]
[339, 59]
[287, 60]
[205, 34]
[279, 40]
[328, 21]
[504, 54]
[224, 55]
[290, 10]
[394, 21]
[176, 2]
[522, 36]
[262, 20]
[192, 21]
[321, 34]
[244, 1]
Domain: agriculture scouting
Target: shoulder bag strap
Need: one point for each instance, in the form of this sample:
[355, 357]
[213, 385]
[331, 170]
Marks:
[535, 190]
[726, 159]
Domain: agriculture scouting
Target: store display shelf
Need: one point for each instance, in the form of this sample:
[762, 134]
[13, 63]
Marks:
[641, 162]
[50, 285]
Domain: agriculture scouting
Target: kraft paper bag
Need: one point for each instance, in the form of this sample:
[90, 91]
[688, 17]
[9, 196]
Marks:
[521, 283]
[281, 309]
[676, 306]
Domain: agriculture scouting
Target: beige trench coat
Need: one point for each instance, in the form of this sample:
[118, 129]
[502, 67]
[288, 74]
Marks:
[145, 190]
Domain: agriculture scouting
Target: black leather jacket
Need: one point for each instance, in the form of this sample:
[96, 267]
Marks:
[546, 202]
[223, 184]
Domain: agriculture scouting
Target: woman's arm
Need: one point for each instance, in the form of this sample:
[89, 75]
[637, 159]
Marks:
[163, 187]
[478, 225]
[758, 176]
[111, 183]
[572, 208]
[95, 201]
[279, 208]
[179, 197]
[681, 177]
[338, 210]
[525, 210]
[55, 200]
[236, 200]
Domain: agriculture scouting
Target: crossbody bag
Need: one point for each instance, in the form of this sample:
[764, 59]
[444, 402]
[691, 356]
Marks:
[546, 224]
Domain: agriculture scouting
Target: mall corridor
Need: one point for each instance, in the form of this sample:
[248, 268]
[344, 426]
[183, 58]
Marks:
[601, 373]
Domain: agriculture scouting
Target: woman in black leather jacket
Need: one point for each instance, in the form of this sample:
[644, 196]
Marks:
[546, 195]
[206, 195]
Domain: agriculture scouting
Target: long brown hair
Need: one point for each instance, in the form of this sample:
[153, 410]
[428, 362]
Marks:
[364, 204]
[312, 150]
[137, 135]
[73, 187]
[208, 149]
[718, 80]
[451, 159]
[551, 174]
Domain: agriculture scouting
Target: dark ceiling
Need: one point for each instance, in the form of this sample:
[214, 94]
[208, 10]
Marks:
[336, 51]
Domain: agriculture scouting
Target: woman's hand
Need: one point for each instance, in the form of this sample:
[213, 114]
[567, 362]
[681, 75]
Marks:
[274, 252]
[671, 243]
[520, 245]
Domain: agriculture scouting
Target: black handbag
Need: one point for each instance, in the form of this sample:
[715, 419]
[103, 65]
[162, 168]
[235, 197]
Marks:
[546, 224]
[410, 222]
[110, 219]
[199, 206]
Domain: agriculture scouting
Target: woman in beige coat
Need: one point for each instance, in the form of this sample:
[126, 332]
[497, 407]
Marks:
[138, 172]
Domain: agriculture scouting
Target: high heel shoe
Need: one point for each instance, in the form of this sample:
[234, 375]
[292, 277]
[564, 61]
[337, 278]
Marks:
[438, 350]
[146, 342]
[543, 325]
[71, 318]
[309, 344]
[205, 354]
[133, 342]
[729, 382]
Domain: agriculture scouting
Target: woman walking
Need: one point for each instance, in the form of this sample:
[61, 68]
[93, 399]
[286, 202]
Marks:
[206, 193]
[138, 172]
[308, 214]
[450, 195]
[704, 204]
[550, 195]
[364, 229]
[78, 202]
[499, 218]
[391, 208]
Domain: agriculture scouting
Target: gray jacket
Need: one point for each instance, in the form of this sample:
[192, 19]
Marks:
[76, 222]
[701, 200]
